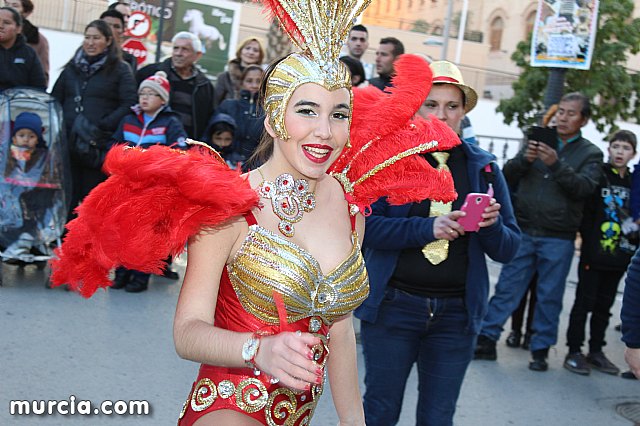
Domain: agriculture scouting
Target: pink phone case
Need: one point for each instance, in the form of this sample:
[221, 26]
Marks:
[474, 206]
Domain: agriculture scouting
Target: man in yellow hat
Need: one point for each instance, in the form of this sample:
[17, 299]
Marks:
[428, 276]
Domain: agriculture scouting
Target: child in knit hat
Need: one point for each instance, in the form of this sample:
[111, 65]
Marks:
[151, 121]
[26, 137]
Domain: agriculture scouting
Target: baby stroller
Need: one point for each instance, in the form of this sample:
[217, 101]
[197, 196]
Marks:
[34, 187]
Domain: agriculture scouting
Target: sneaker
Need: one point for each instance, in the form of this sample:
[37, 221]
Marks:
[485, 349]
[577, 363]
[600, 362]
[539, 362]
[628, 375]
[19, 249]
[513, 341]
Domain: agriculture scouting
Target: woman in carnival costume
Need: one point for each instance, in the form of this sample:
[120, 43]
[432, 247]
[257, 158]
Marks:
[274, 266]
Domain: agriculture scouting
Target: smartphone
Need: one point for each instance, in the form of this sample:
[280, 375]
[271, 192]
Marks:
[474, 206]
[546, 135]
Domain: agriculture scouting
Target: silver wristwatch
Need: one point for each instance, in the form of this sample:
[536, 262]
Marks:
[249, 352]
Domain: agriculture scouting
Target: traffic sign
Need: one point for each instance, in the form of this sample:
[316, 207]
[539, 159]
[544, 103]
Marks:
[139, 25]
[136, 48]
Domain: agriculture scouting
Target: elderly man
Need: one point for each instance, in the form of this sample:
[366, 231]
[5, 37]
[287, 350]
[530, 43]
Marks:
[553, 183]
[192, 93]
[388, 51]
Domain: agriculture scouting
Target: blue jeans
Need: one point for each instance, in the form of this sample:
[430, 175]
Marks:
[412, 329]
[551, 258]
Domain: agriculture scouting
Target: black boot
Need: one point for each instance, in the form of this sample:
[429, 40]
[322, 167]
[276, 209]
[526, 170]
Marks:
[513, 341]
[539, 362]
[485, 349]
[169, 273]
[139, 282]
[123, 276]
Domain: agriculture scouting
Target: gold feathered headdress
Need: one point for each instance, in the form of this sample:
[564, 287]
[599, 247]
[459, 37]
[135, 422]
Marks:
[318, 28]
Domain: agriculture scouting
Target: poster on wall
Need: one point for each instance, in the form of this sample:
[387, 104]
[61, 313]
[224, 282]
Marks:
[154, 11]
[216, 23]
[564, 33]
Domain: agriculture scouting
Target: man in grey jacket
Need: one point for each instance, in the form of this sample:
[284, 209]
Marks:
[552, 184]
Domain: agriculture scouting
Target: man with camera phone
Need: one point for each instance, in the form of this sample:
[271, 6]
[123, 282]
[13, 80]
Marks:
[551, 188]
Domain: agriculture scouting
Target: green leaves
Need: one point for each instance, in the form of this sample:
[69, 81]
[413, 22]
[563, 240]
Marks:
[613, 89]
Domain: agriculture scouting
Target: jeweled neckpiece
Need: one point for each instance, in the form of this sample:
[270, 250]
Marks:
[290, 199]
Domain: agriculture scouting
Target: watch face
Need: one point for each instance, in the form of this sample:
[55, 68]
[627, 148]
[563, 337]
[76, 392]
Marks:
[249, 349]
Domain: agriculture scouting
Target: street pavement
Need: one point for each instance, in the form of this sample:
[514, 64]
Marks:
[119, 346]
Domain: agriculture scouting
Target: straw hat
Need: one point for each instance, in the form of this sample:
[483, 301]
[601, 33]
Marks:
[446, 72]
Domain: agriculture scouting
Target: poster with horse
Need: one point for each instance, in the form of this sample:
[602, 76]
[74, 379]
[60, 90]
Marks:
[216, 23]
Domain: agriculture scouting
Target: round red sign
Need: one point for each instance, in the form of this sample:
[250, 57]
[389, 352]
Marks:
[136, 48]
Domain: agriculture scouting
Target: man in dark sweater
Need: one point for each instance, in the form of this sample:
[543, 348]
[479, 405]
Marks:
[607, 247]
[552, 186]
[388, 51]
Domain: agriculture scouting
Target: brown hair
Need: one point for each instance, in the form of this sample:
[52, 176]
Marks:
[546, 118]
[624, 136]
[27, 6]
[244, 44]
[250, 68]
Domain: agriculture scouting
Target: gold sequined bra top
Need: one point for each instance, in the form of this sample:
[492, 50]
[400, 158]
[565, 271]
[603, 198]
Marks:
[267, 263]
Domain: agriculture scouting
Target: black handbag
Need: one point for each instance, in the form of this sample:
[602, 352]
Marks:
[88, 144]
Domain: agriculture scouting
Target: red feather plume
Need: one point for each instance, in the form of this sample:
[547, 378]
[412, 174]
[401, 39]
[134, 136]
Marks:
[384, 126]
[152, 202]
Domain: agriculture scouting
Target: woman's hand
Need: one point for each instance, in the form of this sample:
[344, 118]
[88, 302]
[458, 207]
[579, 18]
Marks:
[446, 227]
[490, 215]
[288, 358]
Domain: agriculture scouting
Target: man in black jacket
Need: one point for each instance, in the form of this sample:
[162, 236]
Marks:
[388, 51]
[552, 186]
[192, 93]
[115, 20]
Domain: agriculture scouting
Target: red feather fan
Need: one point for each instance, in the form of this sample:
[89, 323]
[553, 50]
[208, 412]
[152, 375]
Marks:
[384, 122]
[153, 201]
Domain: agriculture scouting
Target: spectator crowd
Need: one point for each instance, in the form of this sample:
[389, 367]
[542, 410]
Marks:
[557, 190]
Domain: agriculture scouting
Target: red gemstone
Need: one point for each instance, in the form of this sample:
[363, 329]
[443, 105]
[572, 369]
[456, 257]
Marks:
[285, 182]
[267, 189]
[284, 205]
[288, 228]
